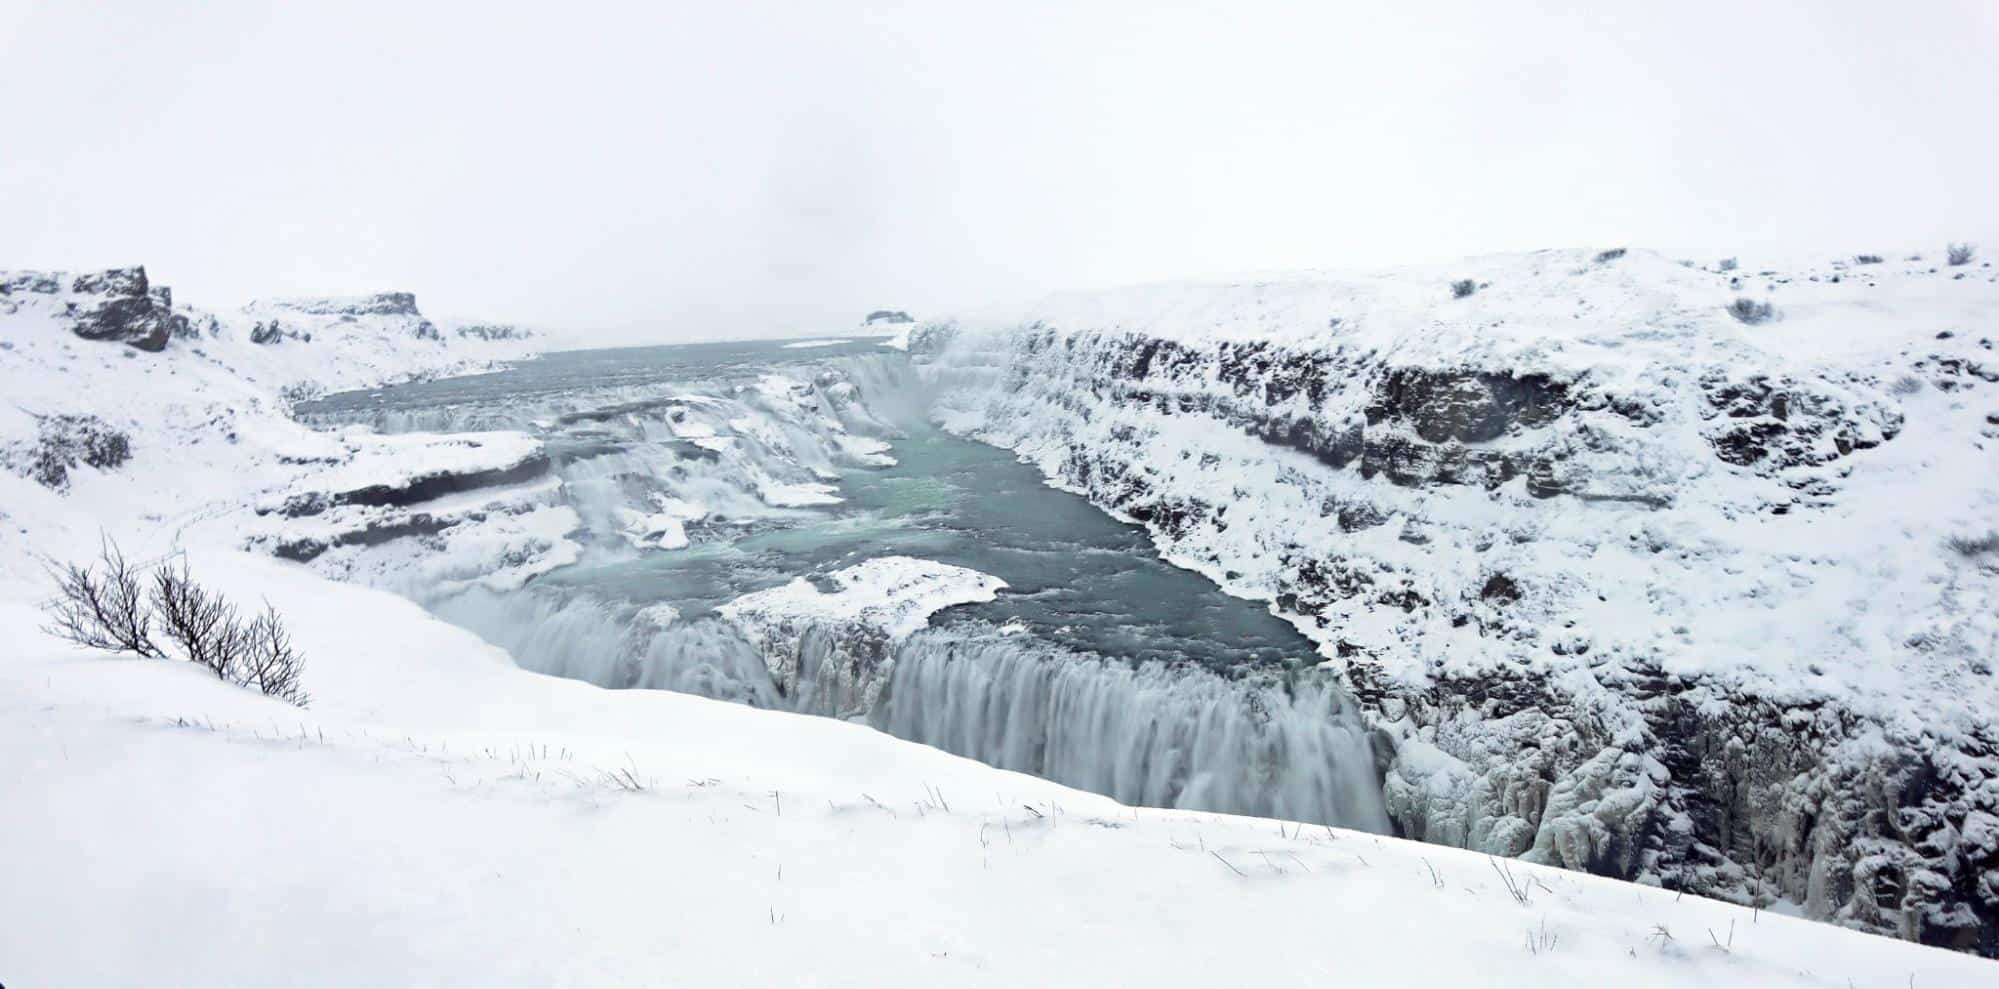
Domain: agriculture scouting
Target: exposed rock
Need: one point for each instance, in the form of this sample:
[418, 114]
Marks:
[266, 332]
[35, 282]
[888, 316]
[493, 331]
[419, 524]
[119, 305]
[66, 441]
[418, 489]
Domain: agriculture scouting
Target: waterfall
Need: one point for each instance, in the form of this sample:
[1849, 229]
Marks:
[1286, 745]
[1154, 735]
[581, 638]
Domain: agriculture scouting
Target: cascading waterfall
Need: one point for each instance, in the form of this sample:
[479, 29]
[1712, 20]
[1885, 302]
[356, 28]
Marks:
[1179, 734]
[585, 639]
[1155, 735]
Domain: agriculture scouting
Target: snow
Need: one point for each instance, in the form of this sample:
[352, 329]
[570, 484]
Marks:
[800, 495]
[441, 816]
[1761, 585]
[896, 594]
[664, 529]
[811, 344]
[214, 452]
[400, 458]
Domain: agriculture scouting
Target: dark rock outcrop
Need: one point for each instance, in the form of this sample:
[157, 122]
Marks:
[267, 332]
[493, 331]
[374, 534]
[418, 489]
[118, 305]
[64, 442]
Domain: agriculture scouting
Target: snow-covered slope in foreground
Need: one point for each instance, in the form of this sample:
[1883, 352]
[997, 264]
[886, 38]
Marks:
[441, 817]
[1624, 582]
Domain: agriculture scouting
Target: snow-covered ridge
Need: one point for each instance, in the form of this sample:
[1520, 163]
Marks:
[1628, 584]
[158, 422]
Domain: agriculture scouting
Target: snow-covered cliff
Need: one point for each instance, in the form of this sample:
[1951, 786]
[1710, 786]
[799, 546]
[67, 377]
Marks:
[132, 416]
[1630, 578]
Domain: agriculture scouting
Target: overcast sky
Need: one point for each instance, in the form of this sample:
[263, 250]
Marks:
[663, 170]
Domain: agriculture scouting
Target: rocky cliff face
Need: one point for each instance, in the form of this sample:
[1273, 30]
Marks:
[1622, 586]
[299, 317]
[116, 305]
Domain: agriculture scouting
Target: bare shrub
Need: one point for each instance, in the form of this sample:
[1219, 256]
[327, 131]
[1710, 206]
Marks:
[1907, 384]
[270, 664]
[201, 623]
[1867, 259]
[1750, 311]
[112, 606]
[1463, 287]
[1959, 254]
[104, 610]
[1727, 264]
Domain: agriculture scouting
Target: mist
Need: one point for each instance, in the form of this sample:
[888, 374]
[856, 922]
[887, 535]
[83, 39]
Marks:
[628, 172]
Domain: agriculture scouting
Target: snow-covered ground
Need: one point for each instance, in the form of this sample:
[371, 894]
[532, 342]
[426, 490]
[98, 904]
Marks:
[440, 816]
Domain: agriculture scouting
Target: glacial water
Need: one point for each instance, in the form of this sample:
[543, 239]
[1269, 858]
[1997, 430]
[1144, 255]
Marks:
[1100, 666]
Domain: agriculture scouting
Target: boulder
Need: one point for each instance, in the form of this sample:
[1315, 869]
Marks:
[119, 305]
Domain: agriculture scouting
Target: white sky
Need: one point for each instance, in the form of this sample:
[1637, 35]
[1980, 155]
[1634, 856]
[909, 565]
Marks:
[639, 171]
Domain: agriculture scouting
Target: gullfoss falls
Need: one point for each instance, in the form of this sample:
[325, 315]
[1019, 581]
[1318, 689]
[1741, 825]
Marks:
[785, 527]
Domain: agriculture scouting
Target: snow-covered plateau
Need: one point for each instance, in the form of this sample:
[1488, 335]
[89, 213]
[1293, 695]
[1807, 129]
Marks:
[1618, 584]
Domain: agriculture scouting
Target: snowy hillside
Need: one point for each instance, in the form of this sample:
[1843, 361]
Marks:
[439, 815]
[191, 440]
[1628, 583]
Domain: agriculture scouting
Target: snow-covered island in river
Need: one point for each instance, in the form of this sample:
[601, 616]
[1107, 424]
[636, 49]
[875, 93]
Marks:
[1591, 615]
